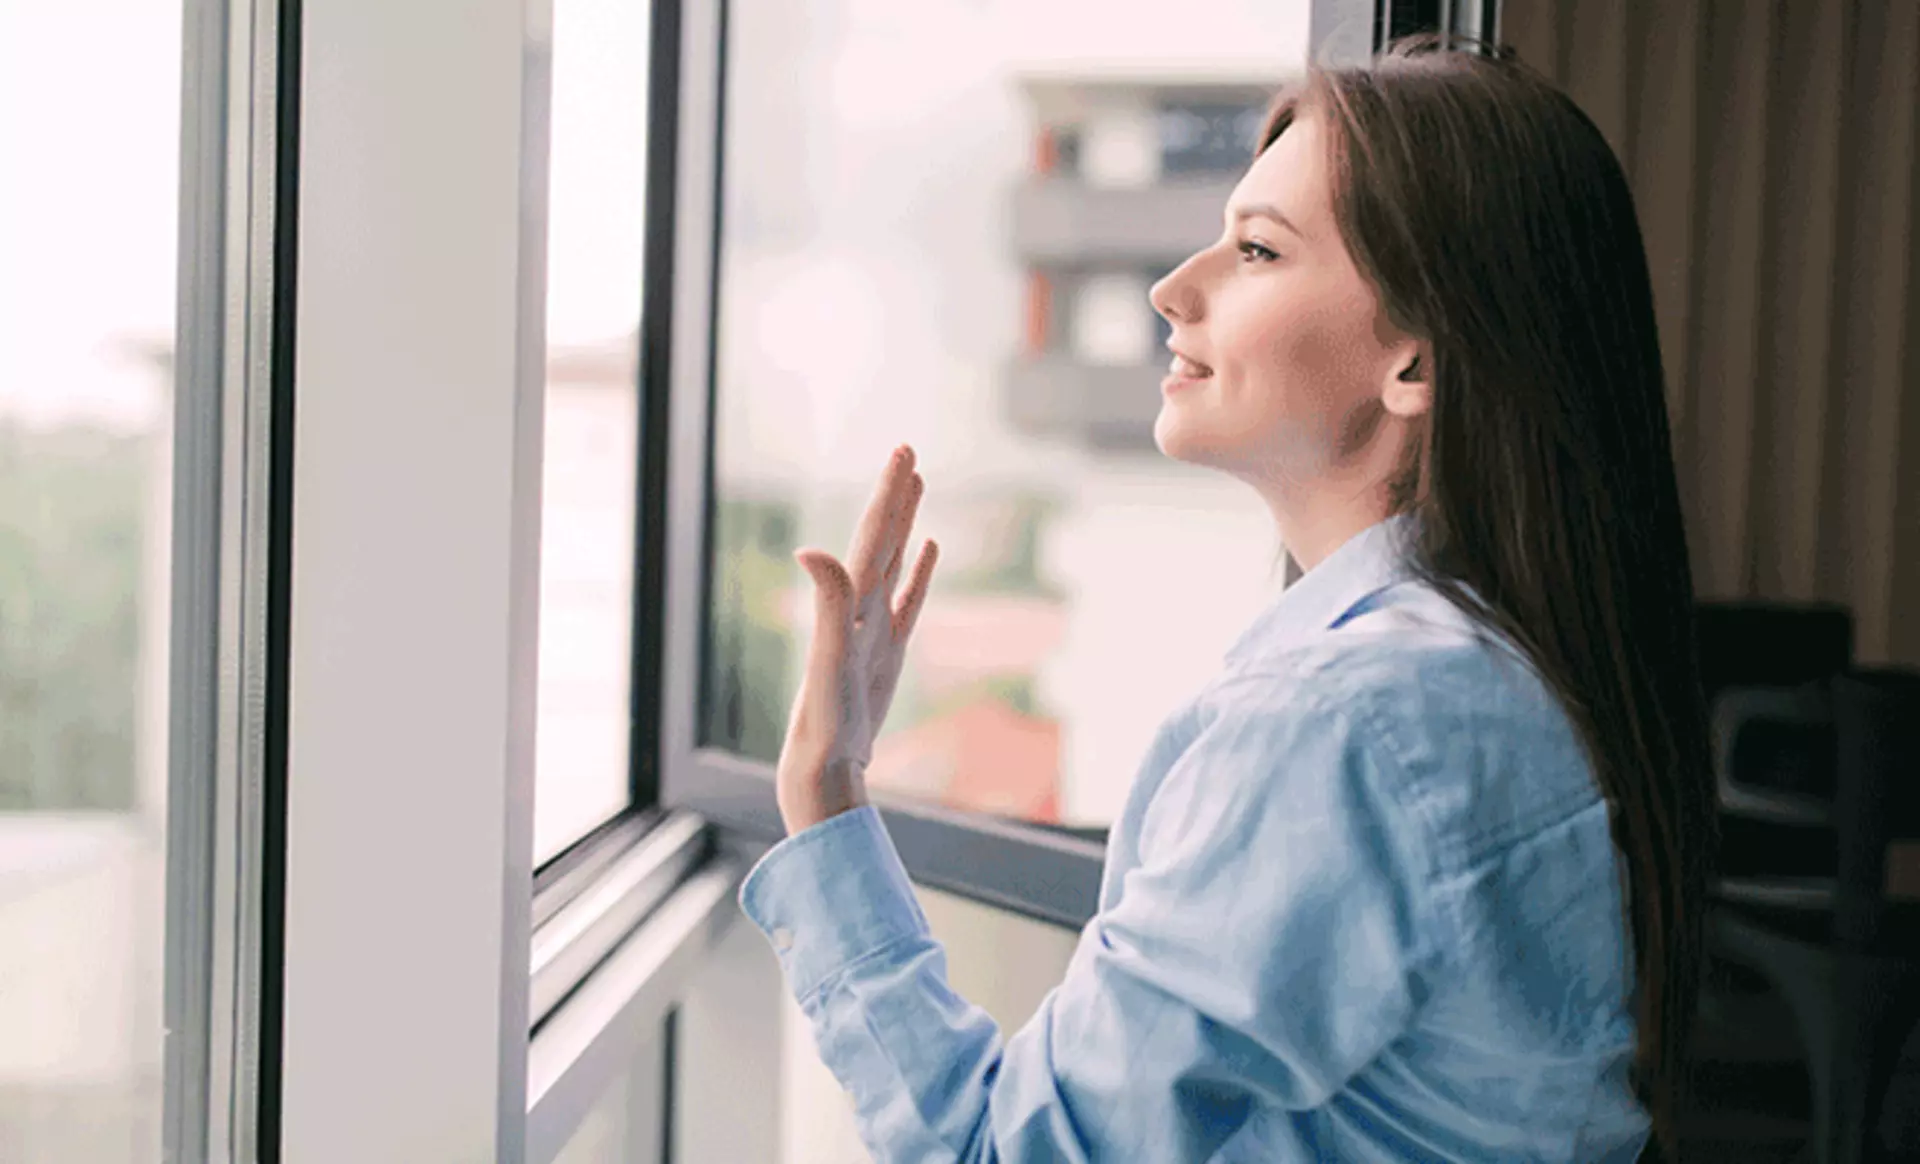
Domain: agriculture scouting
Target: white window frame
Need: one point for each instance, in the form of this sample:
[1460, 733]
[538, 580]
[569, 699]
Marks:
[222, 547]
[419, 373]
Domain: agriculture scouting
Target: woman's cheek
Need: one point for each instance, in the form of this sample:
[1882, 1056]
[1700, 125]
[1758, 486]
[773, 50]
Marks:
[1295, 361]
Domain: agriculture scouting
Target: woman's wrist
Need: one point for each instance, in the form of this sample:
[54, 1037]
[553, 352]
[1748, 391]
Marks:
[841, 788]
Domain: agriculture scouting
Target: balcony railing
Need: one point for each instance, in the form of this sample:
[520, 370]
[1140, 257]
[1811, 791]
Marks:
[1105, 407]
[1064, 222]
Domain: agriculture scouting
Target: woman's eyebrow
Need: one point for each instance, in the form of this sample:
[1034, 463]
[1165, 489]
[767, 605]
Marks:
[1265, 210]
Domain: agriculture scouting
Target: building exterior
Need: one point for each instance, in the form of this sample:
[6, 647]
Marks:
[1129, 177]
[1131, 174]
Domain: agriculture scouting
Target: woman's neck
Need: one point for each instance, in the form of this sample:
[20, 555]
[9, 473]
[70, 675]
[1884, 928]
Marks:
[1314, 523]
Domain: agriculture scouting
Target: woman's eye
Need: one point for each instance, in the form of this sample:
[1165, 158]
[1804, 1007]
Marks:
[1253, 252]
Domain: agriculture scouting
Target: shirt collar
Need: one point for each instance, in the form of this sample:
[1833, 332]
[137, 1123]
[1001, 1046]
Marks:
[1324, 596]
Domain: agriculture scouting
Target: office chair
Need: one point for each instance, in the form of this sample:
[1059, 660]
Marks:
[1752, 644]
[1840, 756]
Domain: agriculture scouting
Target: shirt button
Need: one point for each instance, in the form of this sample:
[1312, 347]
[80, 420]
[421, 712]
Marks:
[783, 939]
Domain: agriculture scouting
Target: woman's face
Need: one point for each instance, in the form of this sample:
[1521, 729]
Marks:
[1286, 370]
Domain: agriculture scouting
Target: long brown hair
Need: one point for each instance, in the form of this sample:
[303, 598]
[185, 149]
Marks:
[1495, 223]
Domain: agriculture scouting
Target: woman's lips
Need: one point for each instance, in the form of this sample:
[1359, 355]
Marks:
[1184, 373]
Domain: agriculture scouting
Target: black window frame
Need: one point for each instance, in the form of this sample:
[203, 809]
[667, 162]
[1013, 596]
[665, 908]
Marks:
[1476, 19]
[559, 878]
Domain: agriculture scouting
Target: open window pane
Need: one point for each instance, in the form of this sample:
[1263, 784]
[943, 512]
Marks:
[596, 211]
[940, 223]
[90, 130]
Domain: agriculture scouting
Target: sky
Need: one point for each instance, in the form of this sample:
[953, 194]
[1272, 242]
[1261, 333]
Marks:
[89, 145]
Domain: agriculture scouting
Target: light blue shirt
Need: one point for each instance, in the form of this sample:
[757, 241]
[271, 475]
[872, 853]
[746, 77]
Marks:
[1362, 904]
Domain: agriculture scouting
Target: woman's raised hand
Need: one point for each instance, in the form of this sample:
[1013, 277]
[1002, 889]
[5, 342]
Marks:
[859, 641]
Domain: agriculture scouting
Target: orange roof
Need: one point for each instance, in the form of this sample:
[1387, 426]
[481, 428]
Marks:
[985, 757]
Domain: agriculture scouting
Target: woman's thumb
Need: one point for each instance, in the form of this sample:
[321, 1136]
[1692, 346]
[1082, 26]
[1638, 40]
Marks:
[830, 614]
[825, 578]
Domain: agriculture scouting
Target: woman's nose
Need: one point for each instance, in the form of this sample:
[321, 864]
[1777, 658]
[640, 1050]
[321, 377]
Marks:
[1175, 296]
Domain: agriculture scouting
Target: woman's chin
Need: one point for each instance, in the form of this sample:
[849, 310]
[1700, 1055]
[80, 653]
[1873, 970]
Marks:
[1175, 438]
[1179, 438]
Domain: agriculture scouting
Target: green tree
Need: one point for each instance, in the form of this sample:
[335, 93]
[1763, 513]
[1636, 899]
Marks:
[748, 690]
[71, 501]
[1012, 565]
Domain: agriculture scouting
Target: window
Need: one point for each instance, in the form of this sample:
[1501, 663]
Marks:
[89, 125]
[1208, 137]
[939, 225]
[596, 208]
[469, 191]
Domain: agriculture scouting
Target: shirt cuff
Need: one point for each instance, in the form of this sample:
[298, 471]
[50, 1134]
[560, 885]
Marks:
[831, 894]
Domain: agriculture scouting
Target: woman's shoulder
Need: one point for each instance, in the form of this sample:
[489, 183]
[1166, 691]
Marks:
[1407, 651]
[1465, 727]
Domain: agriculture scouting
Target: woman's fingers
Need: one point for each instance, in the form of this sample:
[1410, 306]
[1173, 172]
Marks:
[871, 546]
[865, 586]
[916, 594]
[897, 536]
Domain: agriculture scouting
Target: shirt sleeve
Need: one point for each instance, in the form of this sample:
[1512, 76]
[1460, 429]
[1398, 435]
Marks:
[1267, 946]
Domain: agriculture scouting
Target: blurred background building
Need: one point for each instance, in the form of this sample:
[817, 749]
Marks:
[959, 256]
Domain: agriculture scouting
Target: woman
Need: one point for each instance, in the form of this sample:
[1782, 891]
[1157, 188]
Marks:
[1418, 875]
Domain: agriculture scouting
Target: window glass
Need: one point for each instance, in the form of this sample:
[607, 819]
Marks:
[940, 224]
[90, 134]
[595, 213]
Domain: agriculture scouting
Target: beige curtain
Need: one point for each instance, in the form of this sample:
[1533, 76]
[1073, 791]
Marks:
[1772, 150]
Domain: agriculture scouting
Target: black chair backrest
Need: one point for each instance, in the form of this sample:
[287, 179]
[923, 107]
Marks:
[1770, 644]
[1785, 832]
[1775, 753]
[1838, 763]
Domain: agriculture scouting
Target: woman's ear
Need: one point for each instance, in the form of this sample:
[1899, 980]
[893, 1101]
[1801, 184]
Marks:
[1410, 392]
